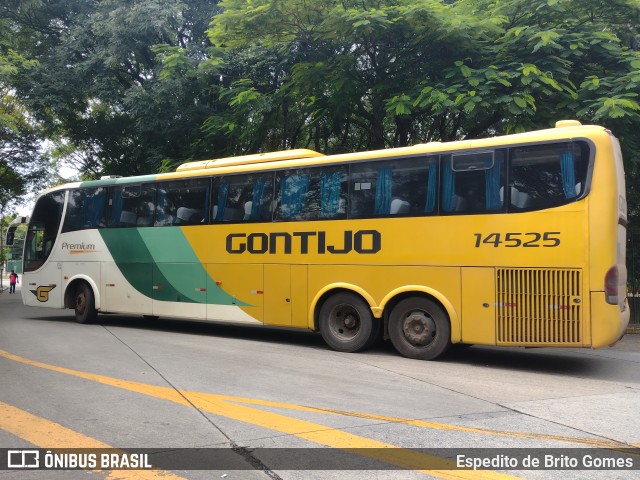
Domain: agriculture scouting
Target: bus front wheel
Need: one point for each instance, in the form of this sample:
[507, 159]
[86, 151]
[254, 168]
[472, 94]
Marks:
[346, 323]
[85, 304]
[419, 328]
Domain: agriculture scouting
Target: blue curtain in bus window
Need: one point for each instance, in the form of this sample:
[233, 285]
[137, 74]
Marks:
[161, 207]
[568, 171]
[448, 185]
[383, 191]
[259, 187]
[431, 187]
[223, 192]
[294, 190]
[95, 208]
[330, 190]
[492, 185]
[116, 206]
[207, 200]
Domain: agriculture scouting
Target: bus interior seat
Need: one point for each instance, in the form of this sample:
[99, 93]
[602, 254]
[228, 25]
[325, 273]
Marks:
[144, 221]
[399, 206]
[247, 210]
[459, 203]
[233, 214]
[230, 214]
[520, 199]
[188, 215]
[128, 219]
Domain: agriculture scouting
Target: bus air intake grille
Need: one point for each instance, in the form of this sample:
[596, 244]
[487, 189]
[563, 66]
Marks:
[538, 306]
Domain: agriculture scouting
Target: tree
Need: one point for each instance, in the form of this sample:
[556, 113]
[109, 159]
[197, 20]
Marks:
[22, 164]
[371, 74]
[96, 83]
[134, 86]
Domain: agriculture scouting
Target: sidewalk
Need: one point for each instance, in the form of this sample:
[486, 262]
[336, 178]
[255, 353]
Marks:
[633, 328]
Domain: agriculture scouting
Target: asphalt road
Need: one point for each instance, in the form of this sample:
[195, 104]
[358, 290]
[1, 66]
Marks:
[256, 393]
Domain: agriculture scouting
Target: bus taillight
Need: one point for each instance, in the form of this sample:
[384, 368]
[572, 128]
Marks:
[611, 285]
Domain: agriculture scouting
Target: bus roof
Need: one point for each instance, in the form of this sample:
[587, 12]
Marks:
[296, 158]
[249, 159]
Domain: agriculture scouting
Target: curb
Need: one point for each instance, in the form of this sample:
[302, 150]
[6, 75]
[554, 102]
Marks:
[633, 329]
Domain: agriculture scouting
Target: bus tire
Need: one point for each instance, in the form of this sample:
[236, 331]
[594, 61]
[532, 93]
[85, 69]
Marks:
[419, 328]
[85, 304]
[347, 324]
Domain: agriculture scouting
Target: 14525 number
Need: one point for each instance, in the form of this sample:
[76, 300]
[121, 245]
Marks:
[518, 239]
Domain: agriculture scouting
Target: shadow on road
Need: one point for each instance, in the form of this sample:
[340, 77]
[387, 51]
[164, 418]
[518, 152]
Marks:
[571, 362]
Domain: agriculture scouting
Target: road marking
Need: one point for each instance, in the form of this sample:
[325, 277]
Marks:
[223, 405]
[44, 433]
[592, 442]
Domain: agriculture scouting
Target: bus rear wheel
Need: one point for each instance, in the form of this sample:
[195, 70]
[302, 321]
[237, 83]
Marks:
[419, 328]
[346, 323]
[85, 304]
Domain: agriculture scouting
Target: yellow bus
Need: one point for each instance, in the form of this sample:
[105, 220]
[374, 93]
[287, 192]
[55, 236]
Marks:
[515, 240]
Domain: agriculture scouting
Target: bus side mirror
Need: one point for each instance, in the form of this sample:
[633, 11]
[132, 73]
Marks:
[11, 231]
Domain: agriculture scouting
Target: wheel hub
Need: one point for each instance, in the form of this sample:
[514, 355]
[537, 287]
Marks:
[345, 322]
[350, 321]
[419, 329]
[80, 302]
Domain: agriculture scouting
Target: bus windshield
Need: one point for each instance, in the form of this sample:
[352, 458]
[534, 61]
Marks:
[43, 230]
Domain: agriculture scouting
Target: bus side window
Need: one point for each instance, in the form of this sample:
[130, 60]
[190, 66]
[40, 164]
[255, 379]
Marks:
[85, 209]
[293, 189]
[545, 176]
[473, 182]
[332, 184]
[132, 206]
[182, 202]
[405, 186]
[366, 193]
[243, 198]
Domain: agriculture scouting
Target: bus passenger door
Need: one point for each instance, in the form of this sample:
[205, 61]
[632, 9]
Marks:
[180, 290]
[277, 295]
[478, 305]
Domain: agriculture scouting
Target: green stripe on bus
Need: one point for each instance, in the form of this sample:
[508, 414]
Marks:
[163, 257]
[107, 182]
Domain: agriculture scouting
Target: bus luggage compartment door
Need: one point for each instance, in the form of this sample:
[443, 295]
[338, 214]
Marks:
[478, 305]
[127, 287]
[179, 290]
[277, 295]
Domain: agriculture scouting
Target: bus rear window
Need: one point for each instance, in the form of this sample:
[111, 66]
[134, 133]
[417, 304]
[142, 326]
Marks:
[544, 176]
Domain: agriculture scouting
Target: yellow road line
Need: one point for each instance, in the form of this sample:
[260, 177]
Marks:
[596, 443]
[44, 433]
[221, 405]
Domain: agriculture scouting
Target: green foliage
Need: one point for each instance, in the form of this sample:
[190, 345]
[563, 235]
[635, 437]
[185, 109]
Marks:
[114, 83]
[137, 86]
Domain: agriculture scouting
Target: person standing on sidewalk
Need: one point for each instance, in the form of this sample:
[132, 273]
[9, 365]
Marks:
[13, 279]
